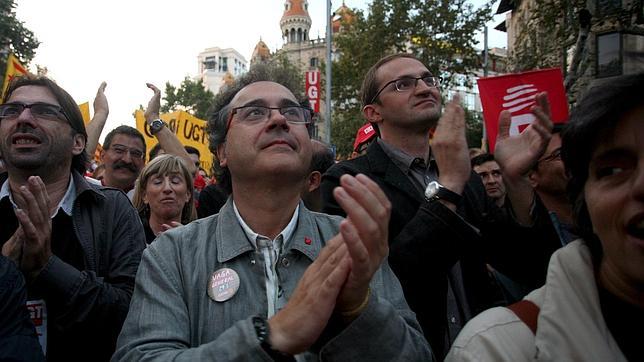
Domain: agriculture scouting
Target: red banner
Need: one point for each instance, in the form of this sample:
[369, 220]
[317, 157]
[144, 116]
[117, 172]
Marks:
[313, 89]
[516, 93]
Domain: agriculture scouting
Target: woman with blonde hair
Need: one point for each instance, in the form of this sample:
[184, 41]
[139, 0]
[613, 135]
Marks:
[164, 195]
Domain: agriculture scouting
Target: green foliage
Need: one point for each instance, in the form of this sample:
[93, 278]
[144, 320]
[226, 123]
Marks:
[473, 128]
[439, 32]
[191, 96]
[14, 36]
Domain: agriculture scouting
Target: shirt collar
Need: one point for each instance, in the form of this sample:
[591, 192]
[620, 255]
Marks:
[66, 203]
[398, 156]
[252, 236]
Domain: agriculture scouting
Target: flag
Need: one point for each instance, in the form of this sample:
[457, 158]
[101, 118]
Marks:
[516, 93]
[14, 68]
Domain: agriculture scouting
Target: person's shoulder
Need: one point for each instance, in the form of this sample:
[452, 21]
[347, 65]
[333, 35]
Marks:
[352, 167]
[496, 334]
[186, 239]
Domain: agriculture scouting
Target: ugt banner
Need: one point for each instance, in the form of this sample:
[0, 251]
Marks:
[313, 89]
[516, 93]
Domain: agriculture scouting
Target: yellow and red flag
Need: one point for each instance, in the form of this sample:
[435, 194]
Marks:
[14, 68]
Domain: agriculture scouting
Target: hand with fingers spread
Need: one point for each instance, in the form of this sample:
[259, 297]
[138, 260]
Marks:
[35, 222]
[154, 105]
[365, 233]
[301, 322]
[449, 147]
[518, 154]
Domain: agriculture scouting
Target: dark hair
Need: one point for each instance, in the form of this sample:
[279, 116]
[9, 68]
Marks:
[192, 150]
[481, 159]
[322, 157]
[220, 110]
[596, 115]
[370, 84]
[67, 103]
[125, 130]
[154, 151]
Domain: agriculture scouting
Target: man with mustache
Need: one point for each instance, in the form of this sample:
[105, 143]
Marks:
[78, 245]
[266, 278]
[443, 228]
[123, 155]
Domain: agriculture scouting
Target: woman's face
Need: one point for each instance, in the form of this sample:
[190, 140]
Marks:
[166, 195]
[614, 195]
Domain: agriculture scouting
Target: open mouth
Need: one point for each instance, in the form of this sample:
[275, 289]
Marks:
[25, 140]
[636, 229]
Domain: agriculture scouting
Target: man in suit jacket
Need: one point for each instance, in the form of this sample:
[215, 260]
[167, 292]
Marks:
[443, 228]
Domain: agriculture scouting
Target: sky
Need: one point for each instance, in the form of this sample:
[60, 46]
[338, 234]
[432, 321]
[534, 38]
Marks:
[129, 43]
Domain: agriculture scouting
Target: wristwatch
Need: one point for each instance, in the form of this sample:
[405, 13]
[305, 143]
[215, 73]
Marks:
[156, 125]
[263, 333]
[436, 191]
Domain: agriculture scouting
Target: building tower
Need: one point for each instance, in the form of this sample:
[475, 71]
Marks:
[295, 22]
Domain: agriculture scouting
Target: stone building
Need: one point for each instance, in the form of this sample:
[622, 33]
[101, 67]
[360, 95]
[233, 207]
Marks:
[219, 66]
[590, 40]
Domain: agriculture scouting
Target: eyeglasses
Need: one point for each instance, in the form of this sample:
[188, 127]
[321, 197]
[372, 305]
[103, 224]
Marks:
[39, 110]
[405, 84]
[556, 154]
[121, 150]
[259, 114]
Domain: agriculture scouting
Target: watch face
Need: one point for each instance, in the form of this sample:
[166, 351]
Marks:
[432, 189]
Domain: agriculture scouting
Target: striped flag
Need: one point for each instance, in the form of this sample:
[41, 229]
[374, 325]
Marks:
[516, 94]
[14, 68]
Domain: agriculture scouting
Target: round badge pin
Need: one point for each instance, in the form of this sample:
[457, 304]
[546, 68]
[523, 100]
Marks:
[223, 284]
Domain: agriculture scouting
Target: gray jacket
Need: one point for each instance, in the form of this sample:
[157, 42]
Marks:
[172, 318]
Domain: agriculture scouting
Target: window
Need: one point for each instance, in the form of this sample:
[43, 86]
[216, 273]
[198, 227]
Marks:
[609, 60]
[633, 53]
[210, 63]
[606, 7]
[314, 62]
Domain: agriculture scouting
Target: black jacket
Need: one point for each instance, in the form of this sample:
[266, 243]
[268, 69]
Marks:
[95, 299]
[426, 239]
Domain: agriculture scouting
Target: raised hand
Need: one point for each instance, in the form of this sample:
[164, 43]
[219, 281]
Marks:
[35, 221]
[100, 101]
[518, 154]
[301, 322]
[154, 105]
[449, 147]
[365, 233]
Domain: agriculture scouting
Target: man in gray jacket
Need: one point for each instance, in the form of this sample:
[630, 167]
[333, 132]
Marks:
[267, 278]
[77, 245]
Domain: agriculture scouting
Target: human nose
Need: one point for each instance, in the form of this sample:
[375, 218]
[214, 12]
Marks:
[26, 116]
[276, 119]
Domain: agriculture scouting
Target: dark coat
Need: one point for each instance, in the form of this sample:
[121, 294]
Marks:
[426, 239]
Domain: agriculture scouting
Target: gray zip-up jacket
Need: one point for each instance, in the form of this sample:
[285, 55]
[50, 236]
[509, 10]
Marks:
[172, 318]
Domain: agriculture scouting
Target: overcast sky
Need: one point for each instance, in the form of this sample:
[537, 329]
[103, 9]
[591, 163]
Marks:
[129, 43]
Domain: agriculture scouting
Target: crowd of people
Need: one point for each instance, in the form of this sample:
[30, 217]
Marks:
[417, 248]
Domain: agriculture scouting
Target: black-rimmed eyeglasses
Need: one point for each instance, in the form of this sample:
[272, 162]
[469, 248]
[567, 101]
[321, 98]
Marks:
[260, 114]
[405, 84]
[39, 110]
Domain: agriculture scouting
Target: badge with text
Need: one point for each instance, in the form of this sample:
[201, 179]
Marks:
[223, 284]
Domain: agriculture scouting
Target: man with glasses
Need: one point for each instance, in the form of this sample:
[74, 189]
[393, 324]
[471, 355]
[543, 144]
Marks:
[123, 155]
[265, 278]
[77, 245]
[549, 180]
[443, 229]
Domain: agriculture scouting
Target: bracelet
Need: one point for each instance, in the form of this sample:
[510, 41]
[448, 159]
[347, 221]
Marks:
[356, 311]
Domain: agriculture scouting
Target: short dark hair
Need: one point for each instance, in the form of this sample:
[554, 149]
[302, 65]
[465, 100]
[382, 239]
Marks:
[481, 159]
[192, 150]
[220, 110]
[596, 115]
[322, 158]
[370, 84]
[124, 130]
[154, 151]
[67, 103]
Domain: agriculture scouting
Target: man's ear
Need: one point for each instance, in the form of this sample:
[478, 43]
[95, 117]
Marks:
[79, 145]
[221, 155]
[371, 113]
[533, 178]
[313, 181]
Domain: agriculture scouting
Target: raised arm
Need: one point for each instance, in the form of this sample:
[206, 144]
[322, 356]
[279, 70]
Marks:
[96, 125]
[167, 139]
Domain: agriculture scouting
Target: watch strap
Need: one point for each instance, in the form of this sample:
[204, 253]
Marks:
[157, 125]
[263, 334]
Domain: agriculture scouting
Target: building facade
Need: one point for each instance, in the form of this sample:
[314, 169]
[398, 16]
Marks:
[219, 66]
